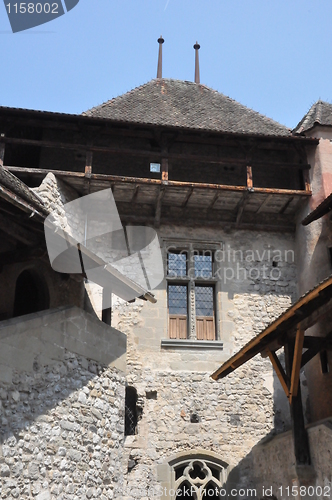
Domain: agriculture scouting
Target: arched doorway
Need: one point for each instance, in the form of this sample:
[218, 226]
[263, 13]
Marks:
[31, 293]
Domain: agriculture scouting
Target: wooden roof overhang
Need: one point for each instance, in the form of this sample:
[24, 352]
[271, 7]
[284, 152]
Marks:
[291, 325]
[22, 216]
[54, 119]
[323, 208]
[246, 207]
[288, 331]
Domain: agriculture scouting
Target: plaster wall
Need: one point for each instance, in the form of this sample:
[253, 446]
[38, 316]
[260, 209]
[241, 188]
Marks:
[314, 264]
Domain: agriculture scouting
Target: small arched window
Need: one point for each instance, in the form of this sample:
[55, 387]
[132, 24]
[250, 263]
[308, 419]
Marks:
[199, 477]
[31, 294]
[131, 415]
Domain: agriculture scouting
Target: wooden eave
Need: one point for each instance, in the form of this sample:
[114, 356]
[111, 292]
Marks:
[239, 206]
[49, 118]
[302, 315]
[323, 208]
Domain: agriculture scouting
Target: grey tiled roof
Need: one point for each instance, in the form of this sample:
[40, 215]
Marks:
[320, 113]
[177, 103]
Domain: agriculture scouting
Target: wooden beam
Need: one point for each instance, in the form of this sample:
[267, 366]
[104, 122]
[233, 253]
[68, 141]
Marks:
[158, 207]
[306, 179]
[147, 153]
[315, 345]
[88, 163]
[280, 326]
[214, 201]
[241, 207]
[2, 153]
[141, 180]
[300, 436]
[134, 197]
[267, 199]
[18, 232]
[286, 205]
[279, 371]
[188, 196]
[164, 169]
[295, 377]
[249, 178]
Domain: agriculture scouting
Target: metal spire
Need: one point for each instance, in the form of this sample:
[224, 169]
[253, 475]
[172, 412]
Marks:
[160, 58]
[197, 47]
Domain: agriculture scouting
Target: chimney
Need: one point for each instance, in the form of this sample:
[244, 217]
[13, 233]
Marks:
[160, 58]
[197, 47]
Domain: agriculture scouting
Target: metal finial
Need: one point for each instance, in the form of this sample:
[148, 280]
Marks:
[160, 58]
[197, 77]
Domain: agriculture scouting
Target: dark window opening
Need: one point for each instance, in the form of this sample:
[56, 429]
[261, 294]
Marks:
[179, 471]
[131, 414]
[31, 294]
[212, 491]
[324, 362]
[330, 255]
[186, 491]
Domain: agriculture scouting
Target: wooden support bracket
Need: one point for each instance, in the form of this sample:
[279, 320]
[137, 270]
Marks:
[296, 366]
[279, 371]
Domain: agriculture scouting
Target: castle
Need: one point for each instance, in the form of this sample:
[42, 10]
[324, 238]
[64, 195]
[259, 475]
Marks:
[215, 383]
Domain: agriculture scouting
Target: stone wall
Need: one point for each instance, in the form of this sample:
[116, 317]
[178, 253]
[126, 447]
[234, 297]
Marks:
[174, 382]
[62, 386]
[274, 464]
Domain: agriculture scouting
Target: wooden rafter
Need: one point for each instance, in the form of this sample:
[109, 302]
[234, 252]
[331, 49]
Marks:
[265, 202]
[158, 207]
[279, 371]
[295, 377]
[188, 196]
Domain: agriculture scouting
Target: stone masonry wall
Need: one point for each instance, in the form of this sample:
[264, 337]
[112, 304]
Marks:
[235, 413]
[62, 387]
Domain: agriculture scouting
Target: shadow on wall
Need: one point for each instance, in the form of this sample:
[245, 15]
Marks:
[62, 388]
[42, 355]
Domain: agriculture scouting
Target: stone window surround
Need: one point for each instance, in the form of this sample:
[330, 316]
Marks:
[190, 246]
[166, 471]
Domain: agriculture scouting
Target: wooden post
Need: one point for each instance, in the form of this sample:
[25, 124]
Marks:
[300, 436]
[306, 179]
[106, 314]
[88, 164]
[250, 184]
[2, 151]
[164, 169]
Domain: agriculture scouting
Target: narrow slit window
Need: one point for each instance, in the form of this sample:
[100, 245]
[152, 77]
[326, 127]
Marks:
[324, 362]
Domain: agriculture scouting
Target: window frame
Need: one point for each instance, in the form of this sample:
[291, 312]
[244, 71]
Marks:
[191, 282]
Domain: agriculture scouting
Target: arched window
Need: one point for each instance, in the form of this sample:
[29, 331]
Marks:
[131, 415]
[195, 476]
[31, 294]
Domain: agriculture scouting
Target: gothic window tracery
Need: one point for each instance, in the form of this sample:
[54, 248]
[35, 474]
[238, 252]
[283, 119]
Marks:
[198, 479]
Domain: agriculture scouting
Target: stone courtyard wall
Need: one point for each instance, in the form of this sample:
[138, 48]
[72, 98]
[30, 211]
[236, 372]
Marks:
[62, 386]
[235, 413]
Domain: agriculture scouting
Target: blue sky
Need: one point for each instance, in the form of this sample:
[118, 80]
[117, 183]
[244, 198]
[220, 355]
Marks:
[272, 56]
